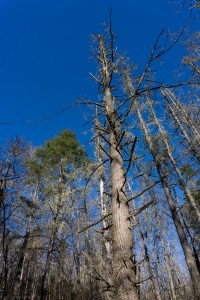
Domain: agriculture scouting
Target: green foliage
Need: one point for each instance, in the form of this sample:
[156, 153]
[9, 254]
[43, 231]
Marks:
[61, 154]
[64, 146]
[187, 171]
[35, 168]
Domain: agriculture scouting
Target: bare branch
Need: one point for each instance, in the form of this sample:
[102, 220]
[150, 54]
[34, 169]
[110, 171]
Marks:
[146, 189]
[143, 208]
[105, 152]
[142, 280]
[131, 155]
[92, 174]
[97, 80]
[95, 223]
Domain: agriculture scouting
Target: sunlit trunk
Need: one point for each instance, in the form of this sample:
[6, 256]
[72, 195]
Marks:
[124, 278]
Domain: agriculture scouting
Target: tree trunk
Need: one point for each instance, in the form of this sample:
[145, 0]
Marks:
[99, 155]
[194, 150]
[124, 278]
[20, 266]
[26, 287]
[181, 180]
[167, 263]
[181, 234]
[44, 290]
[195, 251]
[187, 119]
[155, 288]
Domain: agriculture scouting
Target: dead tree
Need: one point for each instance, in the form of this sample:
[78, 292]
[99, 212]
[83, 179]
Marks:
[182, 237]
[155, 287]
[124, 278]
[171, 99]
[119, 146]
[187, 192]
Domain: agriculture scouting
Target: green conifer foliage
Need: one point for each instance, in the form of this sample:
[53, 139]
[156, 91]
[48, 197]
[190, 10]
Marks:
[64, 146]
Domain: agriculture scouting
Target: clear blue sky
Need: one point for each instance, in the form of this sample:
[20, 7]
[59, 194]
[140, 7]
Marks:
[44, 56]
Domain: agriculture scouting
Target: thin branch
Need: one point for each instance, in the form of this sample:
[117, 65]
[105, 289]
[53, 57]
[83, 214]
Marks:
[121, 138]
[105, 152]
[97, 80]
[103, 137]
[84, 101]
[95, 223]
[92, 174]
[142, 208]
[153, 57]
[110, 213]
[139, 262]
[146, 189]
[100, 128]
[131, 155]
[142, 280]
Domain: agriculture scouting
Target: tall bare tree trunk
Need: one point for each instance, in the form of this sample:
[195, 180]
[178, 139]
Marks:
[169, 152]
[156, 291]
[193, 148]
[104, 211]
[21, 262]
[26, 287]
[157, 254]
[43, 290]
[5, 272]
[181, 234]
[186, 117]
[124, 278]
[167, 262]
[5, 233]
[195, 251]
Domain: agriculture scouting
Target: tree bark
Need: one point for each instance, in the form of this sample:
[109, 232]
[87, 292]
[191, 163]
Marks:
[124, 278]
[193, 149]
[43, 290]
[186, 118]
[181, 180]
[181, 234]
[21, 262]
[155, 288]
[167, 262]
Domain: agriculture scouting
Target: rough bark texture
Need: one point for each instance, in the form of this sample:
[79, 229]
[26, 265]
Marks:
[124, 278]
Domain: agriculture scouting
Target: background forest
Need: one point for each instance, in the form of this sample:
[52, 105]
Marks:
[118, 218]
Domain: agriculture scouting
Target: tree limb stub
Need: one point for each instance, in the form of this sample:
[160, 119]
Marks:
[132, 198]
[110, 213]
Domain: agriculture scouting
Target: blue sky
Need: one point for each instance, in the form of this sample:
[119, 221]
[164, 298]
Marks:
[44, 57]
